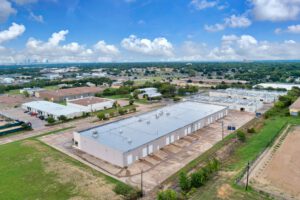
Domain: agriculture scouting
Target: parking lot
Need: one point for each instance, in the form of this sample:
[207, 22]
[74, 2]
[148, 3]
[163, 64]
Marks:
[18, 114]
[163, 163]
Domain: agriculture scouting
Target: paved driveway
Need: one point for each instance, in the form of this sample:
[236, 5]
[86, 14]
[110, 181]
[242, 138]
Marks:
[18, 114]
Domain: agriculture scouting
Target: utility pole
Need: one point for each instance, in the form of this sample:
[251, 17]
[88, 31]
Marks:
[247, 181]
[142, 192]
[222, 129]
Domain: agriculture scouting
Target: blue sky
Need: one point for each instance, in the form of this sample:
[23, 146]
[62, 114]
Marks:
[146, 30]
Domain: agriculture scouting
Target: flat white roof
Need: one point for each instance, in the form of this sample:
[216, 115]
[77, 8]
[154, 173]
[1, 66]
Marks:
[130, 133]
[52, 108]
[286, 86]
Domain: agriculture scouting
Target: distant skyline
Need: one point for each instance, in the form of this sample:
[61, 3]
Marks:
[57, 31]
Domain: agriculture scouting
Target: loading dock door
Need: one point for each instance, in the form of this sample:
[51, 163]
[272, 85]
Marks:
[129, 159]
[167, 141]
[185, 132]
[150, 149]
[172, 138]
[145, 152]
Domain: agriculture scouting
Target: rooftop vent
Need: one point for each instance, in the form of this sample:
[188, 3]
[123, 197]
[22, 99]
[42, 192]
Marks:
[140, 120]
[148, 122]
[95, 134]
[120, 131]
[129, 140]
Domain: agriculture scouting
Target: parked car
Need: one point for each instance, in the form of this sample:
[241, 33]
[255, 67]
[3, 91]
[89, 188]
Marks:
[41, 117]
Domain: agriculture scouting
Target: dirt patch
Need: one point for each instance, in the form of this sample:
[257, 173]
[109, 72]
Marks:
[278, 172]
[224, 191]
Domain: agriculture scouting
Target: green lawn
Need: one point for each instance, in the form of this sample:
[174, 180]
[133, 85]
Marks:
[13, 92]
[30, 169]
[223, 185]
[51, 87]
[120, 96]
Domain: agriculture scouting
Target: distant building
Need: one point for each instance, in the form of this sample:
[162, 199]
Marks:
[125, 141]
[91, 104]
[49, 109]
[287, 86]
[259, 95]
[52, 76]
[295, 108]
[149, 92]
[69, 93]
[7, 80]
[31, 91]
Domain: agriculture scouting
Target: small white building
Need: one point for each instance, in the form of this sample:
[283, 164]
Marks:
[150, 93]
[91, 104]
[50, 109]
[31, 91]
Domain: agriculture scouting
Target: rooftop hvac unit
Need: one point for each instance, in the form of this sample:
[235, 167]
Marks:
[140, 120]
[95, 134]
[120, 131]
[129, 140]
[168, 113]
[148, 122]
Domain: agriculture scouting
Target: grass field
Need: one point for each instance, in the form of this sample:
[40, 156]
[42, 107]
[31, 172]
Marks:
[223, 185]
[30, 169]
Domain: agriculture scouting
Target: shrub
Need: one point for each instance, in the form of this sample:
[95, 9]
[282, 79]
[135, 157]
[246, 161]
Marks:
[251, 130]
[175, 99]
[167, 195]
[131, 102]
[133, 109]
[197, 179]
[184, 182]
[241, 136]
[101, 116]
[50, 120]
[122, 111]
[62, 118]
[127, 192]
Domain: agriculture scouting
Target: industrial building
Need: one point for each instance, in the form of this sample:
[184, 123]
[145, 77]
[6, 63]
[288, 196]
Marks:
[247, 105]
[91, 104]
[149, 93]
[69, 93]
[295, 108]
[31, 91]
[127, 140]
[286, 86]
[260, 95]
[49, 109]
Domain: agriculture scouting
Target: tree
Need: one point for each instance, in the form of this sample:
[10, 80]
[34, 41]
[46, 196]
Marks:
[26, 94]
[184, 182]
[167, 195]
[62, 118]
[50, 120]
[241, 136]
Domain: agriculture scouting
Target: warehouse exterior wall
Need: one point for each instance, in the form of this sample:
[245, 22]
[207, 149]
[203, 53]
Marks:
[98, 150]
[231, 95]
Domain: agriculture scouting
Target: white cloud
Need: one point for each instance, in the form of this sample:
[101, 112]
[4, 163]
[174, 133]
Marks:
[104, 48]
[157, 47]
[203, 4]
[6, 10]
[23, 2]
[276, 10]
[233, 21]
[294, 29]
[290, 29]
[37, 18]
[14, 31]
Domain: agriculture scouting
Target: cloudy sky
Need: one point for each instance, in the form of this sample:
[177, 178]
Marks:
[148, 30]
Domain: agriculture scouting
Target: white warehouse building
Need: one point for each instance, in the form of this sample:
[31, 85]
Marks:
[127, 140]
[50, 109]
[259, 95]
[247, 105]
[91, 104]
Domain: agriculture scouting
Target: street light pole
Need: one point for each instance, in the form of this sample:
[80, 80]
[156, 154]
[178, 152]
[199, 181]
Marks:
[222, 129]
[142, 192]
[248, 167]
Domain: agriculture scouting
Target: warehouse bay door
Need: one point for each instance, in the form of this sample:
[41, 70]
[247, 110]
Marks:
[129, 159]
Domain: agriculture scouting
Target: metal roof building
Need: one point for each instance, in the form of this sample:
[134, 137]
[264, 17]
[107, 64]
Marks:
[259, 95]
[47, 109]
[248, 105]
[127, 140]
